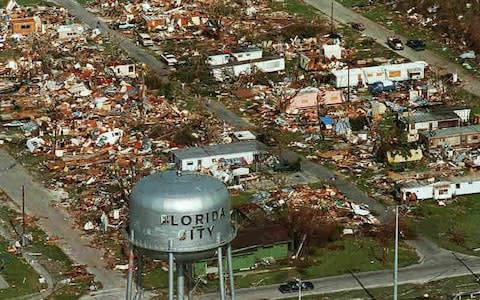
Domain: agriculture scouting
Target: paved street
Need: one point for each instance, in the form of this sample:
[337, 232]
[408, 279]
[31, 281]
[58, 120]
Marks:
[435, 264]
[380, 33]
[116, 38]
[54, 221]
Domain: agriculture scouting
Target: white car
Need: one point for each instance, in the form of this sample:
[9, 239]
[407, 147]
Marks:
[145, 40]
[125, 26]
[169, 59]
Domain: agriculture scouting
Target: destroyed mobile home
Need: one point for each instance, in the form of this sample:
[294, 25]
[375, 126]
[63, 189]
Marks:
[88, 112]
[88, 115]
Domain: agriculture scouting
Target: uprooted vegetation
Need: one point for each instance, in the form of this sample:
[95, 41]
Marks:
[458, 20]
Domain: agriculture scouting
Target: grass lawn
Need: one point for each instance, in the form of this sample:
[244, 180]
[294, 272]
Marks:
[441, 289]
[454, 227]
[240, 199]
[348, 254]
[52, 258]
[4, 3]
[357, 255]
[298, 8]
[341, 257]
[473, 101]
[155, 279]
[21, 277]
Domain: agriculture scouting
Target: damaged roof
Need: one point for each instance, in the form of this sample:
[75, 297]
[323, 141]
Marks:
[219, 149]
[259, 236]
[420, 117]
[452, 131]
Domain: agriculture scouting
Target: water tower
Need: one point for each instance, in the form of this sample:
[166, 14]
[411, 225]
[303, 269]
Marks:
[182, 217]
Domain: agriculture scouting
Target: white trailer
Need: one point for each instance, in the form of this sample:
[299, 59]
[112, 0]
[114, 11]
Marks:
[369, 75]
[441, 189]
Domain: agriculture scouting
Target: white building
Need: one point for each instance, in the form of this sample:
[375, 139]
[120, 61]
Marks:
[441, 189]
[369, 75]
[124, 70]
[241, 153]
[72, 31]
[247, 54]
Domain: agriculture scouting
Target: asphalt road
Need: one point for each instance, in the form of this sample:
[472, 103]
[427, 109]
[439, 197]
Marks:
[436, 264]
[54, 221]
[379, 33]
[116, 38]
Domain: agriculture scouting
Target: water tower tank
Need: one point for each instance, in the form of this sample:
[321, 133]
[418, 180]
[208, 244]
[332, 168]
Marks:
[187, 214]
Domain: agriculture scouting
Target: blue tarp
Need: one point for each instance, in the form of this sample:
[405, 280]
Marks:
[326, 120]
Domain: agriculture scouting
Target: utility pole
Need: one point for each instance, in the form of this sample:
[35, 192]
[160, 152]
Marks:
[348, 81]
[299, 289]
[395, 273]
[23, 215]
[331, 19]
[318, 117]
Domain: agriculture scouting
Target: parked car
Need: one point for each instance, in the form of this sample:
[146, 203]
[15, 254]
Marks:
[417, 45]
[293, 286]
[145, 40]
[125, 26]
[357, 26]
[169, 59]
[381, 86]
[395, 43]
[287, 166]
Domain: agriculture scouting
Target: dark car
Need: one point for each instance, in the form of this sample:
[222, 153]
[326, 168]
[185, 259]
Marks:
[357, 26]
[293, 286]
[287, 166]
[417, 45]
[395, 43]
[381, 86]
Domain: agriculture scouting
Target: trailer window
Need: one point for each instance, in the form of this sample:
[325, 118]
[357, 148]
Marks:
[443, 191]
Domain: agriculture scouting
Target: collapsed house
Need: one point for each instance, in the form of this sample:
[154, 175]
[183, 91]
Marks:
[369, 75]
[438, 189]
[243, 61]
[314, 59]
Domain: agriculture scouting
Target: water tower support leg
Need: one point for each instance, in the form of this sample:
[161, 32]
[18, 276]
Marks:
[230, 272]
[180, 281]
[130, 272]
[170, 276]
[190, 281]
[220, 273]
[139, 278]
